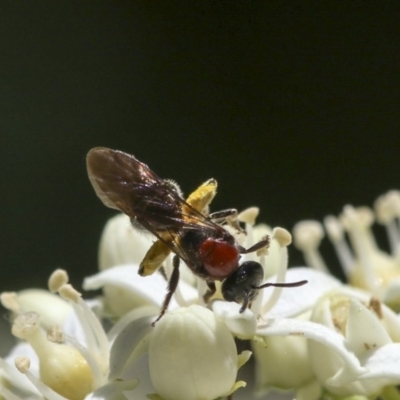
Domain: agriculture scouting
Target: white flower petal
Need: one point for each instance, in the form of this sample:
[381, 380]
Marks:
[364, 330]
[392, 293]
[126, 348]
[389, 319]
[362, 322]
[282, 362]
[192, 355]
[121, 244]
[115, 390]
[73, 325]
[125, 289]
[141, 371]
[312, 391]
[243, 325]
[11, 373]
[295, 301]
[383, 363]
[321, 334]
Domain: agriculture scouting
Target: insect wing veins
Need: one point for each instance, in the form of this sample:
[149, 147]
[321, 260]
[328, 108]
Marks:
[124, 183]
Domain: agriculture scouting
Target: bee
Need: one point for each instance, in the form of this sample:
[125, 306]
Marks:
[183, 227]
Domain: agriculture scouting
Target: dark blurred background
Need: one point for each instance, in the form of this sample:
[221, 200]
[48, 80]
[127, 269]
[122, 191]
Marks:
[292, 106]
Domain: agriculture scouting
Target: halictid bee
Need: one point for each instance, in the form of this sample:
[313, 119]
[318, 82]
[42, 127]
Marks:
[184, 227]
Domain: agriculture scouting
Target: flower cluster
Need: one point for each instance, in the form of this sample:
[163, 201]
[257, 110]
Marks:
[321, 340]
[364, 264]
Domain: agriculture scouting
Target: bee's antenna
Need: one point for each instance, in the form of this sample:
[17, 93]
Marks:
[290, 284]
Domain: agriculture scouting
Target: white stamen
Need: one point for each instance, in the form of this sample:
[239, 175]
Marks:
[9, 300]
[387, 206]
[362, 217]
[393, 233]
[26, 325]
[249, 235]
[263, 251]
[387, 209]
[307, 238]
[249, 215]
[96, 338]
[281, 273]
[23, 365]
[55, 334]
[357, 223]
[7, 394]
[336, 235]
[57, 279]
[67, 292]
[282, 236]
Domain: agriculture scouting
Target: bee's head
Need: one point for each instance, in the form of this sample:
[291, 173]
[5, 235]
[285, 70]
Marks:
[241, 285]
[244, 283]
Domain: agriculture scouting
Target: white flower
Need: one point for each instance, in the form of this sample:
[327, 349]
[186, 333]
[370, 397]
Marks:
[192, 355]
[189, 354]
[281, 362]
[59, 363]
[282, 358]
[350, 348]
[121, 244]
[317, 356]
[319, 339]
[127, 290]
[369, 330]
[364, 264]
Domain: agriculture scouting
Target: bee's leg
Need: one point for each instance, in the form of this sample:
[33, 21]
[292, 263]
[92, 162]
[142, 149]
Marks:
[258, 246]
[154, 257]
[211, 290]
[172, 284]
[201, 198]
[228, 216]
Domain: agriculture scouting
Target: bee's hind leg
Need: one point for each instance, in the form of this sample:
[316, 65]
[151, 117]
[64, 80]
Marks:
[228, 216]
[172, 285]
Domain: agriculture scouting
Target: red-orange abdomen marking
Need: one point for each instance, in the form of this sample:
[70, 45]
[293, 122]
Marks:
[219, 258]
